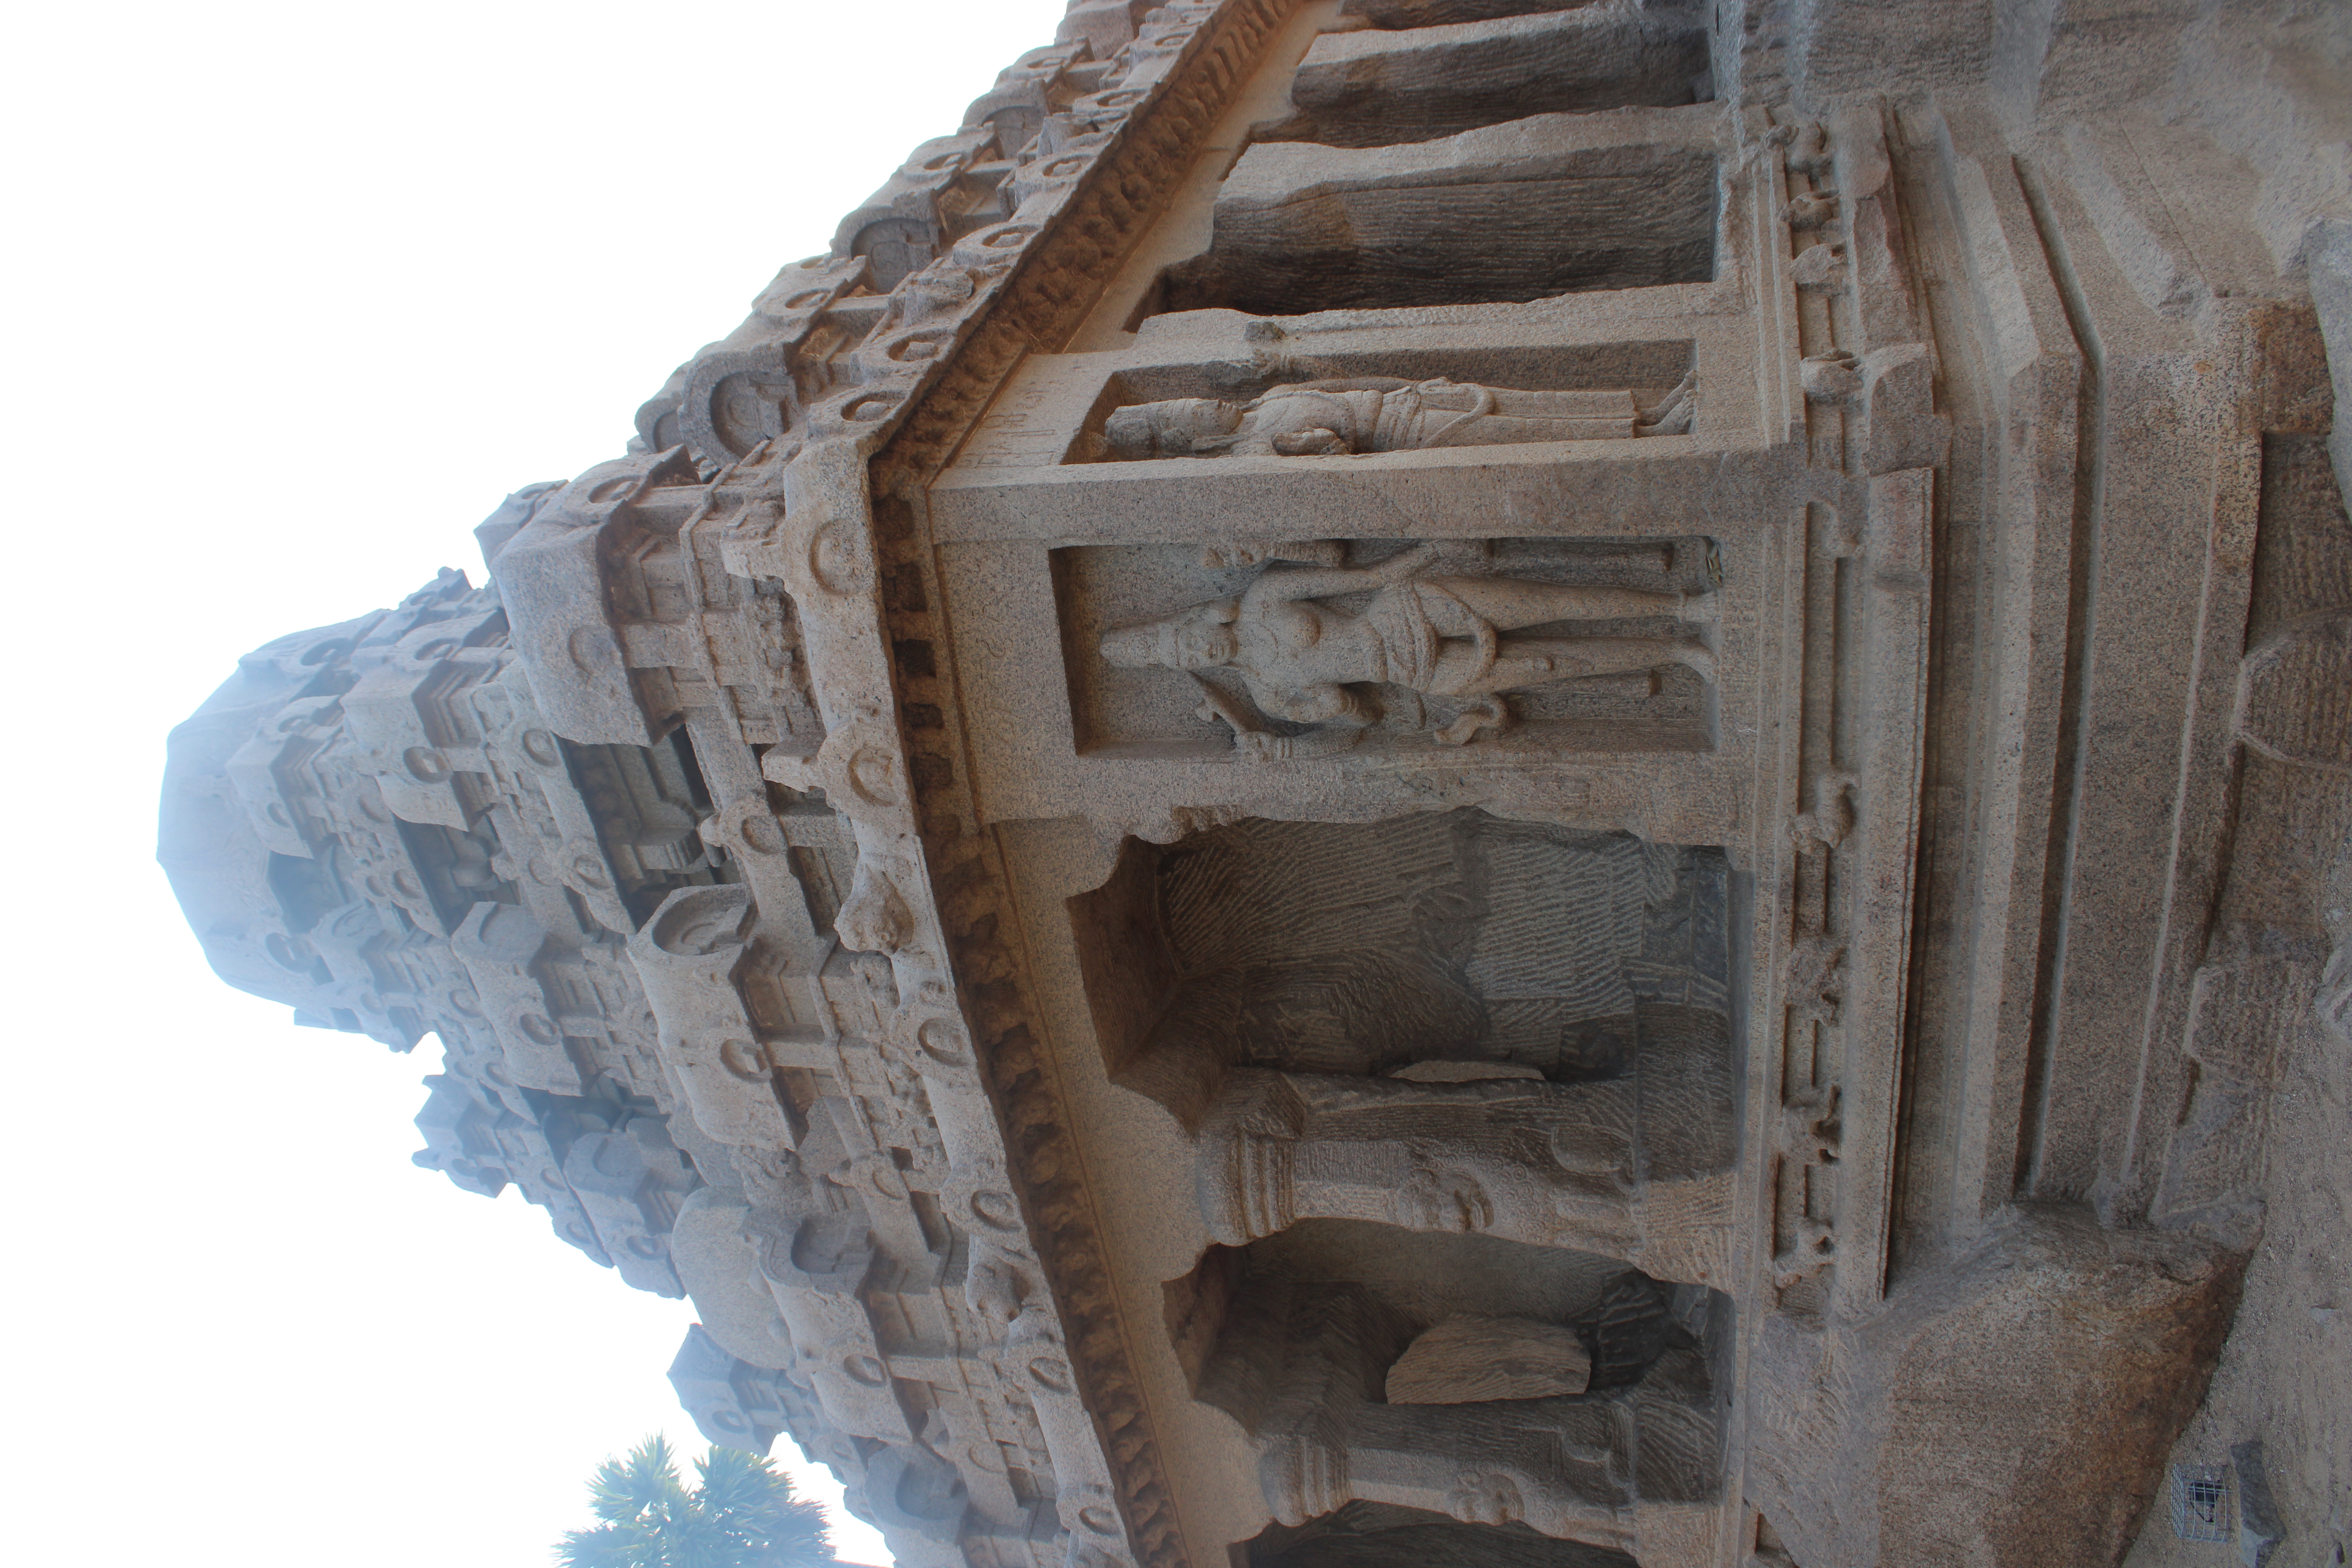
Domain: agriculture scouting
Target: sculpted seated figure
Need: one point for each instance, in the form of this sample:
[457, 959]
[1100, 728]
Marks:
[1433, 624]
[1384, 413]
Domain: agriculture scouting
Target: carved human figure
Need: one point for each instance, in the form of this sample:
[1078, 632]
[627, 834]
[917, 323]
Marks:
[1434, 625]
[1384, 414]
[1552, 1165]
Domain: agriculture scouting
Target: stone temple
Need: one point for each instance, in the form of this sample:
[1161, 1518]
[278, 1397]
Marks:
[1414, 782]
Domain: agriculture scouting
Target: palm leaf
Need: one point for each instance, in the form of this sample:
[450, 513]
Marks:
[741, 1514]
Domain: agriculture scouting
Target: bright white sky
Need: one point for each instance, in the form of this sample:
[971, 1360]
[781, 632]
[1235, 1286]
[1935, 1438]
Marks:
[294, 294]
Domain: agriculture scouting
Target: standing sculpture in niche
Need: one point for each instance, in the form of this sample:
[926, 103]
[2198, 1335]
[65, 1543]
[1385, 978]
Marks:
[1384, 413]
[1439, 622]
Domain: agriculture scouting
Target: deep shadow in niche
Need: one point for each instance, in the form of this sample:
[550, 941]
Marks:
[1383, 1535]
[1305, 1339]
[1400, 13]
[1443, 1024]
[1379, 88]
[648, 803]
[1456, 945]
[1477, 219]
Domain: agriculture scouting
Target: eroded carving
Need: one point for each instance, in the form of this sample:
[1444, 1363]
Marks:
[1447, 1024]
[1552, 1164]
[1381, 1535]
[1445, 621]
[1312, 1330]
[1385, 413]
[1366, 949]
[1469, 1360]
[1831, 376]
[783, 1080]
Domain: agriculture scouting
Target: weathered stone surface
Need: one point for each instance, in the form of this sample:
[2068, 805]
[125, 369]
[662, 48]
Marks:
[1470, 1361]
[1363, 698]
[2011, 1407]
[1379, 88]
[1565, 203]
[2258, 1517]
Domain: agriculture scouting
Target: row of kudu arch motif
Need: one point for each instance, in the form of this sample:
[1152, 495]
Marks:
[521, 818]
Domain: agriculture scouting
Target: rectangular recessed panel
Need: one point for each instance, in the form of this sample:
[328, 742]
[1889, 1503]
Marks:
[1613, 218]
[1384, 655]
[1376, 88]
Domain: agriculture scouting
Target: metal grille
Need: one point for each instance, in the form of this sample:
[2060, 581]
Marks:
[2201, 1503]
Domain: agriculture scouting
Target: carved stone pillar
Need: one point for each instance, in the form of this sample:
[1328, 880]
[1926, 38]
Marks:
[1546, 1164]
[1303, 1366]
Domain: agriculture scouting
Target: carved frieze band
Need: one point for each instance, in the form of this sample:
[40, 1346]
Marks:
[796, 509]
[1840, 280]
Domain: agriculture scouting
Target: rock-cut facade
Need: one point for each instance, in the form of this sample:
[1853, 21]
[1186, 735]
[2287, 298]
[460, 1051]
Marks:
[1411, 780]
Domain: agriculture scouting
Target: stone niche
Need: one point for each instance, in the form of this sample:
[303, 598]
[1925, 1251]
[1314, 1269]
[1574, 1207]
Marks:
[1383, 1535]
[1648, 371]
[1649, 648]
[1302, 227]
[1558, 203]
[1547, 1013]
[1305, 1339]
[1395, 14]
[1421, 80]
[1460, 938]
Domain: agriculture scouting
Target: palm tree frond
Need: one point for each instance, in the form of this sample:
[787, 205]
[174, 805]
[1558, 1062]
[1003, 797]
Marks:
[741, 1514]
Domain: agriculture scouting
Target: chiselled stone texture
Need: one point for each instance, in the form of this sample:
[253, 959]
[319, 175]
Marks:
[1411, 780]
[1972, 1423]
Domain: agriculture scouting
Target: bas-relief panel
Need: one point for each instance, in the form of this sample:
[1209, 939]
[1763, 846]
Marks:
[1354, 415]
[1646, 368]
[1267, 644]
[1308, 648]
[1664, 740]
[1459, 937]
